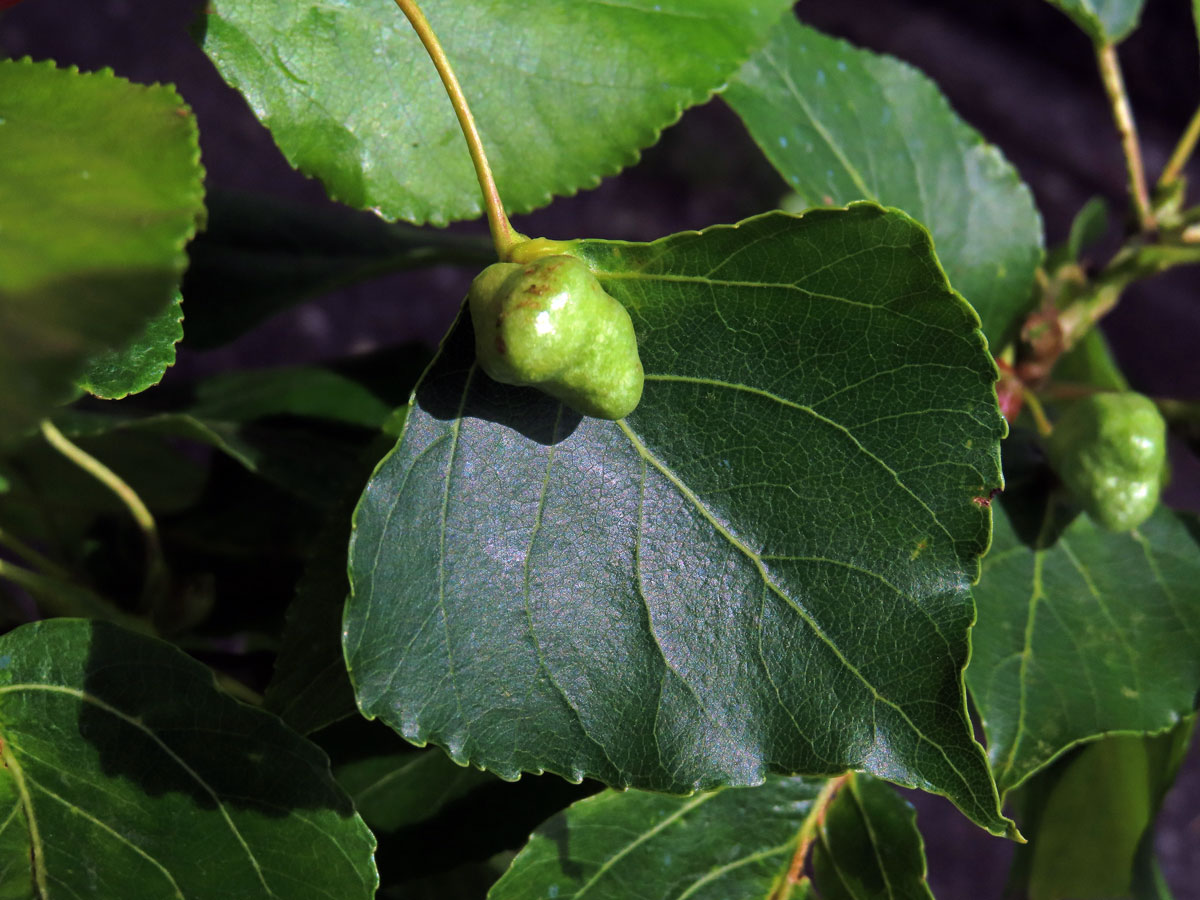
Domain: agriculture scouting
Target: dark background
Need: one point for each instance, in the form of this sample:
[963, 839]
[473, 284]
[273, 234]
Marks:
[1017, 70]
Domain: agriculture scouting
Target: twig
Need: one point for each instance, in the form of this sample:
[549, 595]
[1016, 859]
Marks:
[1118, 99]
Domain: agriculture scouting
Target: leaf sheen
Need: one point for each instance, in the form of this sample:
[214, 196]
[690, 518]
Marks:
[782, 535]
[841, 124]
[563, 91]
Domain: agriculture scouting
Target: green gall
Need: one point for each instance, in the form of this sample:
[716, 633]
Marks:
[547, 323]
[1110, 450]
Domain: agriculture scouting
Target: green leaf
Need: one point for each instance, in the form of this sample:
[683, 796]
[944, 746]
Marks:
[765, 568]
[715, 846]
[563, 91]
[402, 789]
[869, 846]
[259, 255]
[1093, 830]
[100, 190]
[1090, 362]
[1083, 632]
[1104, 21]
[1087, 228]
[131, 776]
[844, 124]
[114, 374]
[290, 391]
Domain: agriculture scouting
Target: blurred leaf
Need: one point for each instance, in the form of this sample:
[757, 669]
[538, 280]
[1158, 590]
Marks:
[1104, 21]
[1094, 825]
[100, 188]
[299, 458]
[260, 255]
[716, 846]
[114, 374]
[291, 391]
[1090, 362]
[402, 789]
[564, 91]
[765, 568]
[844, 124]
[127, 774]
[1083, 632]
[1087, 228]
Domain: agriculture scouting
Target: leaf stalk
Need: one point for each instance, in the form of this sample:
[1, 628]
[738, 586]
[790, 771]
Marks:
[154, 587]
[1182, 153]
[503, 234]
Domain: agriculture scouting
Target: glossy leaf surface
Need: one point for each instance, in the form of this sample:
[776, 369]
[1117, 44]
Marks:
[732, 843]
[128, 774]
[843, 124]
[564, 91]
[1104, 21]
[100, 188]
[765, 568]
[869, 846]
[1083, 633]
[114, 374]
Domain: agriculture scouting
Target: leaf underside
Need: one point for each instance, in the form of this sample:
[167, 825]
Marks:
[843, 124]
[114, 374]
[563, 91]
[765, 568]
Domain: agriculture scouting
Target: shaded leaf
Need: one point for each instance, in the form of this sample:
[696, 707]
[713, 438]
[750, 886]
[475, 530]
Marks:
[716, 846]
[100, 188]
[136, 778]
[842, 124]
[259, 255]
[290, 391]
[114, 374]
[765, 568]
[402, 789]
[869, 846]
[1104, 21]
[1083, 632]
[351, 96]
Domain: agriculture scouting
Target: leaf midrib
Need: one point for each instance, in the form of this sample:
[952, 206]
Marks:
[756, 560]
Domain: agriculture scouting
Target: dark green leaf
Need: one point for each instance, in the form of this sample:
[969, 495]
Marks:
[716, 846]
[299, 459]
[293, 391]
[133, 777]
[259, 255]
[100, 188]
[402, 789]
[765, 568]
[1104, 21]
[843, 124]
[869, 846]
[1083, 632]
[114, 374]
[564, 91]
